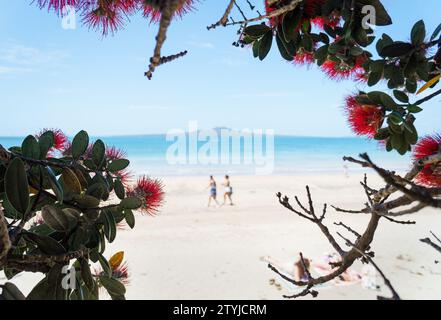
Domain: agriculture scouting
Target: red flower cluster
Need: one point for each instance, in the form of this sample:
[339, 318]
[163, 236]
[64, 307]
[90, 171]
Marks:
[154, 12]
[303, 57]
[57, 5]
[121, 273]
[151, 193]
[341, 71]
[113, 153]
[365, 120]
[431, 173]
[110, 15]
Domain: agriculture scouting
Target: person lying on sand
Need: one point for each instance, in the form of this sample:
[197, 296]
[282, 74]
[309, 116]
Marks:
[317, 268]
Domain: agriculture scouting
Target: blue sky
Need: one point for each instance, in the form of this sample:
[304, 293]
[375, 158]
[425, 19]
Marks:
[75, 79]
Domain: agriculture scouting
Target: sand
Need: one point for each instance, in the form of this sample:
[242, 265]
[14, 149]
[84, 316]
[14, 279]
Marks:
[190, 251]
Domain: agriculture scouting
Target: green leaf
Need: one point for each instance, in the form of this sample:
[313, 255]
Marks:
[388, 102]
[79, 144]
[58, 219]
[436, 33]
[98, 190]
[397, 49]
[382, 134]
[411, 134]
[256, 31]
[55, 184]
[377, 66]
[356, 51]
[30, 148]
[11, 292]
[397, 141]
[256, 48]
[98, 153]
[16, 186]
[411, 86]
[86, 201]
[130, 218]
[119, 189]
[118, 165]
[71, 180]
[113, 286]
[40, 291]
[414, 108]
[290, 24]
[105, 265]
[46, 142]
[86, 274]
[382, 18]
[55, 279]
[374, 78]
[46, 244]
[418, 33]
[132, 203]
[109, 226]
[401, 96]
[396, 118]
[265, 44]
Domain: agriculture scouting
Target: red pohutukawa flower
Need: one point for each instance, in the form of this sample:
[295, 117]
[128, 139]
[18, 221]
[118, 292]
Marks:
[57, 5]
[303, 57]
[343, 71]
[364, 119]
[268, 9]
[151, 192]
[125, 176]
[108, 19]
[152, 9]
[121, 273]
[113, 153]
[431, 173]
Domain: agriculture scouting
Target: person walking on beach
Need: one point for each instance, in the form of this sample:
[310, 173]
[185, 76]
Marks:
[228, 191]
[213, 191]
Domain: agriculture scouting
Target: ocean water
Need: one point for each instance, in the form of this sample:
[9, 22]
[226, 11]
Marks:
[150, 154]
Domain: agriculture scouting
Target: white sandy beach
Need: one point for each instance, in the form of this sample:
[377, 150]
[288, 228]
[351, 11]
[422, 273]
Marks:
[190, 251]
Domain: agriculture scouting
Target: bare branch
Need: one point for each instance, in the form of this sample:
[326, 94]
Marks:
[289, 7]
[431, 243]
[223, 21]
[399, 222]
[167, 13]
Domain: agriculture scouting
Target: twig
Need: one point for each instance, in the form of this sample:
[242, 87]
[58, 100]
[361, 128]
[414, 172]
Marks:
[166, 17]
[223, 21]
[289, 7]
[399, 222]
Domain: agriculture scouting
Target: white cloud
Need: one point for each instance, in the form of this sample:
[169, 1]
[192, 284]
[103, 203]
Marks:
[147, 108]
[10, 70]
[17, 58]
[207, 45]
[269, 94]
[231, 62]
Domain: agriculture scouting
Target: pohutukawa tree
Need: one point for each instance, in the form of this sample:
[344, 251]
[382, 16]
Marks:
[335, 35]
[61, 202]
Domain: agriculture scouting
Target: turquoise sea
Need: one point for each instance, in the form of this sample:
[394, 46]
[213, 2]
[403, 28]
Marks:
[292, 155]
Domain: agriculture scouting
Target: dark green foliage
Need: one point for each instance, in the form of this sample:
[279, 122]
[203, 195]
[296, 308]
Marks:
[68, 192]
